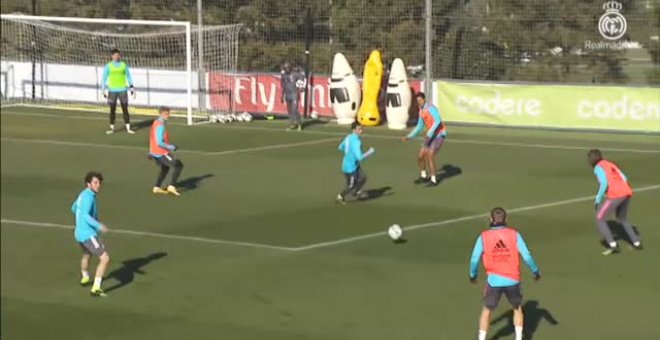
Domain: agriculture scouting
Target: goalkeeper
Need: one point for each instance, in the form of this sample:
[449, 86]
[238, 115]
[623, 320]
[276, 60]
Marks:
[116, 76]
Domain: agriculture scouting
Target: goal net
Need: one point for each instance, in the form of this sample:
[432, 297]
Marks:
[59, 62]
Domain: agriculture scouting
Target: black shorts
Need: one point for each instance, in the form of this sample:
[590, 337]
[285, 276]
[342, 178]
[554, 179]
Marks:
[492, 296]
[122, 96]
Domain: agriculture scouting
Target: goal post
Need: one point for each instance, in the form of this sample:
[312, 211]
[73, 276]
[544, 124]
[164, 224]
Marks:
[59, 61]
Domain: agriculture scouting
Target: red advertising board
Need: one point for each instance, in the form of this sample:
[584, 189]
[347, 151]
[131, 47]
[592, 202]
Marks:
[261, 93]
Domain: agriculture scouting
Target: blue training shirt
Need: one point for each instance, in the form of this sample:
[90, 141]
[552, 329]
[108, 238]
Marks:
[351, 146]
[497, 280]
[87, 224]
[106, 74]
[435, 113]
[602, 181]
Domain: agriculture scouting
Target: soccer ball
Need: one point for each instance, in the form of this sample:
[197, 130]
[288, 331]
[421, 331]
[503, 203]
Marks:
[315, 115]
[395, 232]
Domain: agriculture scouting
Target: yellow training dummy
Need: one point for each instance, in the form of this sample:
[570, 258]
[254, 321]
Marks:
[368, 115]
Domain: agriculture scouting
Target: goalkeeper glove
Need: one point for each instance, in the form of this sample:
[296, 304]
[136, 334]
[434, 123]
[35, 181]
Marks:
[132, 92]
[105, 93]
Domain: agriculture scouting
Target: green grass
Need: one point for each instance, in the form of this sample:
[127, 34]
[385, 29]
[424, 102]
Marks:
[367, 289]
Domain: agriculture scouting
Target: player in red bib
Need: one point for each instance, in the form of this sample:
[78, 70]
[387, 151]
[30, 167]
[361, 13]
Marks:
[501, 247]
[160, 150]
[614, 188]
[436, 133]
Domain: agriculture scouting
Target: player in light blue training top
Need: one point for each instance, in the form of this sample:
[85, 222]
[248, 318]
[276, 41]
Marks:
[87, 232]
[436, 133]
[351, 146]
[501, 247]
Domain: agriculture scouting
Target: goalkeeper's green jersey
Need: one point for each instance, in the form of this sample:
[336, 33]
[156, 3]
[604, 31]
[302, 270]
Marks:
[116, 77]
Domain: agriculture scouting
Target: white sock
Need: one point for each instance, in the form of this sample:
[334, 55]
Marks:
[482, 335]
[637, 244]
[423, 173]
[128, 126]
[112, 126]
[519, 332]
[612, 244]
[97, 282]
[84, 273]
[433, 179]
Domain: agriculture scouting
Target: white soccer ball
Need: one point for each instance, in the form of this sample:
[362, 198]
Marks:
[213, 118]
[395, 232]
[315, 115]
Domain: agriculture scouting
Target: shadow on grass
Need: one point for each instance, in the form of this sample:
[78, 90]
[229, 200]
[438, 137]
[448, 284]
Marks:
[126, 273]
[533, 317]
[372, 194]
[448, 171]
[143, 124]
[192, 183]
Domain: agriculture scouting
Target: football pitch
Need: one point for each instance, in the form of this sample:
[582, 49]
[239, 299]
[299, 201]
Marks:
[256, 247]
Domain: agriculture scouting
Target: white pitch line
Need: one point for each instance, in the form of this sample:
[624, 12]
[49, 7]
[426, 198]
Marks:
[157, 235]
[197, 152]
[332, 133]
[316, 245]
[456, 220]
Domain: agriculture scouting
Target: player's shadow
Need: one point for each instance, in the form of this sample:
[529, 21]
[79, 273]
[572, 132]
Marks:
[619, 232]
[533, 317]
[372, 194]
[192, 183]
[126, 273]
[143, 124]
[448, 171]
